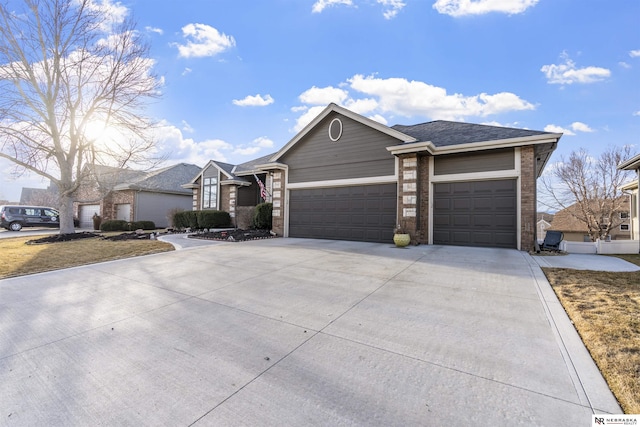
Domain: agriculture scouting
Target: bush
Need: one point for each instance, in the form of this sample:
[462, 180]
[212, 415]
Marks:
[185, 219]
[114, 225]
[213, 219]
[145, 225]
[262, 216]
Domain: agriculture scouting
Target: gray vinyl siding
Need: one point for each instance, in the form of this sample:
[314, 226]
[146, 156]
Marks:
[359, 153]
[478, 161]
[156, 206]
[211, 172]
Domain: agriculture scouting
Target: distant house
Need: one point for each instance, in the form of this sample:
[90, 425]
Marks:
[633, 164]
[131, 195]
[543, 223]
[40, 196]
[575, 230]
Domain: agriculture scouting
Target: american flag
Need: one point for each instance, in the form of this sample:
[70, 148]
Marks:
[263, 190]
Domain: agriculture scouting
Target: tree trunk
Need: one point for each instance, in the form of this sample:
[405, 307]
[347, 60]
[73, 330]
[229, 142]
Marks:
[66, 214]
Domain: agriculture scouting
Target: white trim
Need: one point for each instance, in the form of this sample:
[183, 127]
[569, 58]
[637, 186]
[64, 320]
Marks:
[389, 179]
[476, 176]
[336, 119]
[518, 165]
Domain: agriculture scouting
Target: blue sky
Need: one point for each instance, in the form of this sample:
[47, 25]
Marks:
[240, 78]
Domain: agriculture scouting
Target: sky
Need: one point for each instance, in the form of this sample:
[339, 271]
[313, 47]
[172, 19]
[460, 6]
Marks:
[241, 77]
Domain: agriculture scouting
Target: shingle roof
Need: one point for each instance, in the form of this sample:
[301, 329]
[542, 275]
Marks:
[566, 221]
[165, 180]
[445, 133]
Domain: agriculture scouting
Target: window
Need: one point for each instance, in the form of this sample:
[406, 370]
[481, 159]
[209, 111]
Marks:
[624, 227]
[624, 215]
[210, 193]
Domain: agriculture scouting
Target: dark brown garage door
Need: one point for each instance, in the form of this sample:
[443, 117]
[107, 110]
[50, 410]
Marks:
[478, 213]
[364, 213]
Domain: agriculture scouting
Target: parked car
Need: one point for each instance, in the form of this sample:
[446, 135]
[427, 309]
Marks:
[15, 217]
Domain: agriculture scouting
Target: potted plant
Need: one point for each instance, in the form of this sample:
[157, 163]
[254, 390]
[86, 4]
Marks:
[400, 237]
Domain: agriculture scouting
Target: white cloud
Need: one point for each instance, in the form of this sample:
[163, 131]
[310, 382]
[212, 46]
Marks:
[154, 30]
[634, 53]
[570, 130]
[636, 113]
[113, 13]
[203, 40]
[186, 71]
[568, 73]
[381, 99]
[320, 5]
[624, 65]
[187, 127]
[415, 98]
[255, 146]
[254, 101]
[263, 142]
[323, 96]
[306, 118]
[558, 129]
[172, 144]
[581, 127]
[392, 7]
[479, 7]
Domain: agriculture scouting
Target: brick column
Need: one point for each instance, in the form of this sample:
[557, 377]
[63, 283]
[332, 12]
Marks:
[423, 199]
[527, 198]
[408, 194]
[277, 198]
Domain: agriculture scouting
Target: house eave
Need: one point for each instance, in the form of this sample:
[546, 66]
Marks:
[239, 182]
[631, 164]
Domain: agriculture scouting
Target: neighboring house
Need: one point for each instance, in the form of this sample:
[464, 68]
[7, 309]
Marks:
[347, 177]
[40, 196]
[229, 188]
[132, 195]
[577, 231]
[544, 222]
[633, 164]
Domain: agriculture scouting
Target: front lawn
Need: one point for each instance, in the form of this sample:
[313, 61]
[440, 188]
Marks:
[19, 259]
[605, 309]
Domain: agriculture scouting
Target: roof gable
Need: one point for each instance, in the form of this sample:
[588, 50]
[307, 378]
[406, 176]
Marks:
[347, 113]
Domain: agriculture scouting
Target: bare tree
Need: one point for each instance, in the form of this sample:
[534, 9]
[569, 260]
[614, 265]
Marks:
[74, 82]
[589, 188]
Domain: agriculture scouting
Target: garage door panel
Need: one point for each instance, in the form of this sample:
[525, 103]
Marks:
[476, 213]
[362, 213]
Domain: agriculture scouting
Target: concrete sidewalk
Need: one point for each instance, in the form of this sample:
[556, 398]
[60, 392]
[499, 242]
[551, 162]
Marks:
[295, 332]
[586, 262]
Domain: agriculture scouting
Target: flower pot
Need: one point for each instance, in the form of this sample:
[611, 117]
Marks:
[401, 240]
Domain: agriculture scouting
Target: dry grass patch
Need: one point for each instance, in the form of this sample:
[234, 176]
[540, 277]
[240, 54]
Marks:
[19, 258]
[605, 309]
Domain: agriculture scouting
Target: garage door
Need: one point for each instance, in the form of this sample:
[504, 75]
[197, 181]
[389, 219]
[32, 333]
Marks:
[478, 213]
[364, 213]
[85, 214]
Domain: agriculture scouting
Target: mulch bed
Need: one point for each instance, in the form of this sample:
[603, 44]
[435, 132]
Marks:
[68, 237]
[237, 235]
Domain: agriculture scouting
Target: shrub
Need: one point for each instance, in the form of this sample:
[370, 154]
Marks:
[213, 219]
[185, 219]
[145, 225]
[114, 225]
[262, 216]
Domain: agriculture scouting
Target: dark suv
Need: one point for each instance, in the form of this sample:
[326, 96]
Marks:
[15, 217]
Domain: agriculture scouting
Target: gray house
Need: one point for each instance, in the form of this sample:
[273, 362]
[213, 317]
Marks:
[132, 195]
[347, 177]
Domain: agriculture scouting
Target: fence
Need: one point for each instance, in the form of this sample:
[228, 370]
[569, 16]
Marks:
[601, 247]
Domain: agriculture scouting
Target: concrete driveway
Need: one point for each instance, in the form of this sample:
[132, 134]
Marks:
[295, 332]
